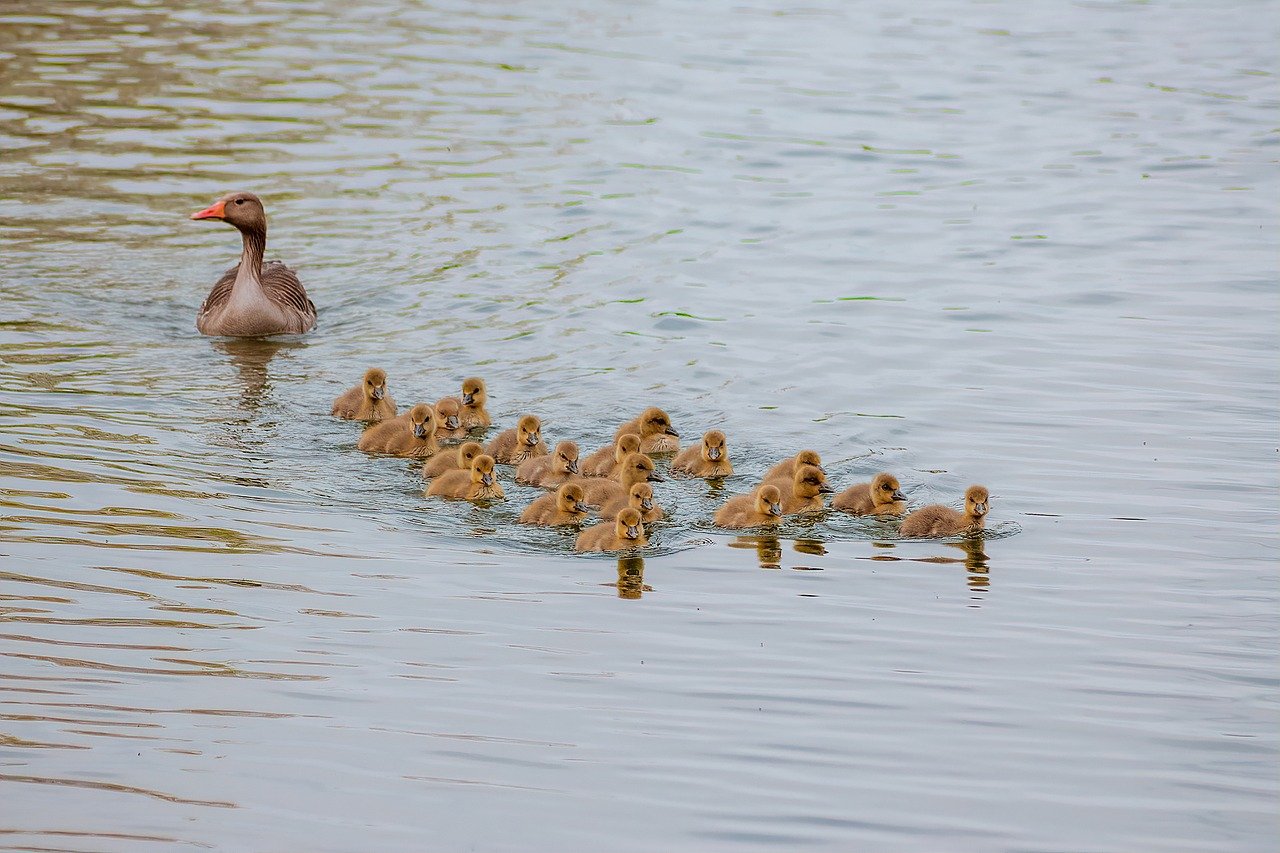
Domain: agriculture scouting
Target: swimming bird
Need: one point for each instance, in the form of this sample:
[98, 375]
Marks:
[639, 497]
[626, 531]
[882, 496]
[478, 484]
[563, 507]
[252, 299]
[804, 491]
[367, 401]
[452, 459]
[939, 520]
[655, 431]
[636, 468]
[411, 434]
[787, 466]
[449, 419]
[475, 394]
[606, 459]
[523, 441]
[559, 466]
[709, 459]
[763, 507]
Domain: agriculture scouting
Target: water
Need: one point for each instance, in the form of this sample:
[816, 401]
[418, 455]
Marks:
[964, 242]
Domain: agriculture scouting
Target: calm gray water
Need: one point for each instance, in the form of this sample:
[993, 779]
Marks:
[962, 241]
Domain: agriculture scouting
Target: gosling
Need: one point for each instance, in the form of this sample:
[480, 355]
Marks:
[709, 460]
[882, 496]
[758, 510]
[787, 467]
[454, 460]
[475, 395]
[804, 491]
[655, 431]
[449, 419]
[624, 532]
[636, 468]
[640, 497]
[412, 435]
[367, 401]
[524, 441]
[603, 462]
[939, 520]
[478, 484]
[563, 507]
[559, 466]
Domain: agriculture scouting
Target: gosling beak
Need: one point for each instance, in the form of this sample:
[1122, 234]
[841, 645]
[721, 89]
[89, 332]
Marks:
[820, 468]
[632, 532]
[825, 489]
[420, 430]
[713, 453]
[572, 467]
[379, 393]
[980, 509]
[468, 399]
[654, 478]
[899, 496]
[775, 509]
[531, 439]
[579, 507]
[671, 431]
[646, 504]
[486, 479]
[452, 422]
[213, 211]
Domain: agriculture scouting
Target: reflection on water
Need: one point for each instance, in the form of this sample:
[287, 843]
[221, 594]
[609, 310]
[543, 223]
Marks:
[631, 583]
[251, 358]
[949, 241]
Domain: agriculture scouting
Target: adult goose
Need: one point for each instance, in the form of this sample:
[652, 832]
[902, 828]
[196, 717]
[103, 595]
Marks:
[253, 299]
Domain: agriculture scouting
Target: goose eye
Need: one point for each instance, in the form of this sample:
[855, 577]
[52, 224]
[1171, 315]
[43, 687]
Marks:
[239, 201]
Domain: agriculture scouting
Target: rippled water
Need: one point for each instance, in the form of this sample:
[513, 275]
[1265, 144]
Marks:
[965, 242]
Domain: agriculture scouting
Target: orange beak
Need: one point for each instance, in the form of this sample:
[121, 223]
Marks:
[213, 211]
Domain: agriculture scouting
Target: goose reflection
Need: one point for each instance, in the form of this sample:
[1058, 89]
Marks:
[251, 357]
[768, 549]
[631, 578]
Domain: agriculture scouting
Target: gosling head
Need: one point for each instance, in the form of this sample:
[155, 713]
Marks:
[629, 524]
[885, 489]
[375, 383]
[713, 448]
[241, 209]
[628, 443]
[641, 497]
[482, 470]
[654, 421]
[809, 482]
[769, 501]
[423, 421]
[638, 468]
[976, 501]
[567, 457]
[447, 413]
[528, 431]
[569, 498]
[810, 457]
[467, 453]
[474, 393]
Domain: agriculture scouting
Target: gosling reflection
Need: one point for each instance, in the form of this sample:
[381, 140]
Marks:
[768, 549]
[251, 357]
[975, 560]
[810, 546]
[631, 578]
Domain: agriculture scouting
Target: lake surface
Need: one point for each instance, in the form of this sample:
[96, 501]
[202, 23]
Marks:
[963, 242]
